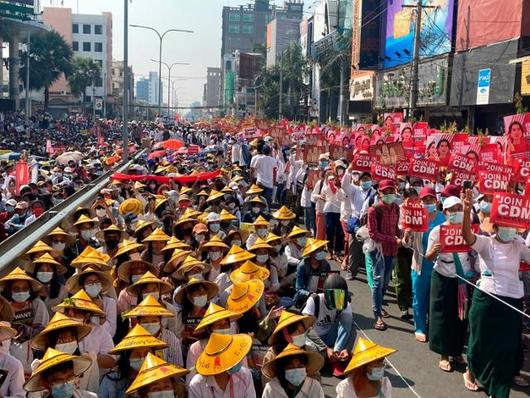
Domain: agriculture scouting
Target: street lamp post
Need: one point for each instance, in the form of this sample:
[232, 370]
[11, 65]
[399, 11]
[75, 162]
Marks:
[125, 153]
[160, 37]
[169, 67]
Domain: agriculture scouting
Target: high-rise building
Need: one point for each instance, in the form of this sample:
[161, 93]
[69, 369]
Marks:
[152, 97]
[212, 94]
[142, 90]
[282, 31]
[118, 81]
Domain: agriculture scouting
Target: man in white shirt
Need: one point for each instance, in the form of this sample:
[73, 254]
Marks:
[263, 168]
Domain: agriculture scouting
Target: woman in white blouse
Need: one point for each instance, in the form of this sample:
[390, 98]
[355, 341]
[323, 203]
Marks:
[494, 350]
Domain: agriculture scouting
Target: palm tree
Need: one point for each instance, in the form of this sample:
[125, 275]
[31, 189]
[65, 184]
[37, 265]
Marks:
[85, 73]
[49, 57]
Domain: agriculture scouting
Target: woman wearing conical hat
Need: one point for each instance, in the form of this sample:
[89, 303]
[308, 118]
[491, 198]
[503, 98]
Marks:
[155, 244]
[296, 239]
[14, 379]
[366, 372]
[235, 257]
[284, 221]
[215, 249]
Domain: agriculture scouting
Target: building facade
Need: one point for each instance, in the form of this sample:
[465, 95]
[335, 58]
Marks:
[118, 83]
[282, 31]
[142, 90]
[212, 92]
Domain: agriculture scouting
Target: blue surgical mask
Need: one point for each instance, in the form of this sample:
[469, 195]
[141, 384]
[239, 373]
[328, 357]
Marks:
[456, 218]
[431, 208]
[485, 207]
[20, 297]
[136, 363]
[323, 164]
[375, 374]
[63, 390]
[506, 234]
[388, 198]
[320, 256]
[366, 185]
[295, 376]
[235, 369]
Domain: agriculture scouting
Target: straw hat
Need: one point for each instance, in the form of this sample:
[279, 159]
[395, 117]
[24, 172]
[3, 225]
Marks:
[158, 235]
[148, 277]
[18, 274]
[211, 289]
[288, 318]
[141, 224]
[128, 245]
[257, 200]
[159, 201]
[149, 307]
[138, 185]
[38, 247]
[80, 301]
[124, 269]
[58, 231]
[154, 369]
[260, 222]
[215, 241]
[203, 193]
[249, 271]
[85, 220]
[283, 213]
[6, 331]
[222, 352]
[112, 228]
[213, 314]
[6, 311]
[59, 321]
[254, 189]
[176, 258]
[259, 244]
[226, 216]
[191, 213]
[312, 245]
[367, 351]
[244, 295]
[175, 243]
[227, 190]
[132, 205]
[47, 258]
[184, 219]
[315, 361]
[53, 358]
[236, 255]
[72, 284]
[272, 238]
[214, 194]
[138, 337]
[297, 231]
[186, 191]
[92, 257]
[187, 265]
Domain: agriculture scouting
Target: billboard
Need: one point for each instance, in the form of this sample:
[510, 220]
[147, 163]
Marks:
[436, 30]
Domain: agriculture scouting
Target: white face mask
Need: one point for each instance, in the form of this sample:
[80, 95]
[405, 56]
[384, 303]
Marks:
[87, 234]
[236, 242]
[375, 374]
[262, 233]
[256, 210]
[215, 228]
[59, 246]
[200, 301]
[136, 363]
[299, 340]
[44, 277]
[93, 289]
[69, 348]
[101, 213]
[285, 223]
[151, 327]
[295, 376]
[161, 394]
[20, 297]
[262, 258]
[301, 241]
[135, 278]
[214, 256]
[199, 238]
[223, 331]
[155, 295]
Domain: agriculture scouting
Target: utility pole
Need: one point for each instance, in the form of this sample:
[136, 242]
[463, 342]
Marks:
[341, 94]
[125, 154]
[280, 96]
[28, 99]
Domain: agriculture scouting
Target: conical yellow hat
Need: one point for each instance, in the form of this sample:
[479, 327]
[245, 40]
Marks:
[189, 264]
[297, 231]
[90, 256]
[259, 244]
[213, 314]
[148, 277]
[288, 318]
[59, 321]
[203, 193]
[260, 222]
[138, 337]
[149, 307]
[214, 194]
[254, 189]
[244, 295]
[211, 289]
[58, 231]
[127, 245]
[226, 216]
[154, 369]
[186, 191]
[124, 269]
[73, 285]
[47, 258]
[18, 274]
[249, 271]
[131, 205]
[175, 243]
[236, 255]
[81, 301]
[283, 213]
[141, 224]
[159, 201]
[312, 245]
[257, 200]
[222, 352]
[272, 237]
[84, 220]
[38, 247]
[315, 361]
[191, 213]
[367, 351]
[158, 235]
[215, 241]
[138, 185]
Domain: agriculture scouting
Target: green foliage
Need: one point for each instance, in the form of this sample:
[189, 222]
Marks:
[85, 73]
[518, 102]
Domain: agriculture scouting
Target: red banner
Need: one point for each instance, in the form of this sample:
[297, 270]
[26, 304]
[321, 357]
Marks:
[424, 169]
[414, 216]
[510, 210]
[380, 172]
[361, 162]
[491, 182]
[164, 180]
[21, 175]
[459, 162]
[452, 240]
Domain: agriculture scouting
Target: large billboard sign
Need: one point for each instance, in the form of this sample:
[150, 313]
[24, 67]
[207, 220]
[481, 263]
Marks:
[436, 30]
[17, 9]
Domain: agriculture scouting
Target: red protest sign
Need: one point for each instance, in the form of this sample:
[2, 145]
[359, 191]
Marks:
[491, 153]
[21, 174]
[523, 166]
[361, 162]
[495, 167]
[452, 240]
[527, 188]
[414, 216]
[402, 168]
[459, 162]
[381, 172]
[424, 169]
[458, 177]
[491, 182]
[510, 210]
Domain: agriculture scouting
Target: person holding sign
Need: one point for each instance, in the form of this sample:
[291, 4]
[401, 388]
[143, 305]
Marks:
[494, 345]
[447, 328]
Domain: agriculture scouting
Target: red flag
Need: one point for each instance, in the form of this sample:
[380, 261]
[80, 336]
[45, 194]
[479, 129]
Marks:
[21, 174]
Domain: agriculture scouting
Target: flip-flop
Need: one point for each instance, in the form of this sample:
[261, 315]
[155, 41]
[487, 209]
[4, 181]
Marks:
[520, 381]
[380, 325]
[468, 384]
[421, 337]
[445, 365]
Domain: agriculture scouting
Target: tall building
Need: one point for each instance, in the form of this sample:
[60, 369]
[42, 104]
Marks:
[90, 36]
[283, 30]
[212, 93]
[118, 82]
[142, 90]
[152, 97]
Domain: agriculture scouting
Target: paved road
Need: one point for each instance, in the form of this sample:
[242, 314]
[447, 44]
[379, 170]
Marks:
[420, 376]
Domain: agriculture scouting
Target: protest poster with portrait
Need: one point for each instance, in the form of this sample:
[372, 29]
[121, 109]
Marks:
[458, 162]
[510, 210]
[387, 154]
[452, 239]
[517, 145]
[424, 169]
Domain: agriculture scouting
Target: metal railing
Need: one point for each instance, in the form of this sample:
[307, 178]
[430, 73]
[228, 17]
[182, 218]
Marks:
[17, 244]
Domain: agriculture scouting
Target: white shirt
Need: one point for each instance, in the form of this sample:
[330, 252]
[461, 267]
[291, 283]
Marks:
[305, 198]
[355, 194]
[326, 317]
[345, 388]
[264, 168]
[240, 385]
[12, 385]
[499, 265]
[332, 203]
[310, 389]
[98, 341]
[315, 197]
[444, 263]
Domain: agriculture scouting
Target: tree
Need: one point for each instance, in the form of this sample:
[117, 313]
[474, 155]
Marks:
[49, 57]
[85, 73]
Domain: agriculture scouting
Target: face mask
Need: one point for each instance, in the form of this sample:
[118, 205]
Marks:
[273, 223]
[95, 320]
[151, 327]
[214, 256]
[235, 369]
[255, 210]
[215, 228]
[417, 189]
[10, 209]
[236, 242]
[375, 374]
[199, 238]
[135, 278]
[223, 331]
[44, 277]
[200, 301]
[506, 234]
[262, 258]
[320, 256]
[63, 390]
[136, 363]
[195, 276]
[93, 289]
[155, 295]
[388, 198]
[262, 233]
[285, 223]
[161, 394]
[87, 234]
[277, 248]
[69, 348]
[366, 185]
[323, 164]
[299, 340]
[295, 376]
[231, 205]
[20, 297]
[301, 241]
[431, 208]
[485, 207]
[101, 213]
[456, 218]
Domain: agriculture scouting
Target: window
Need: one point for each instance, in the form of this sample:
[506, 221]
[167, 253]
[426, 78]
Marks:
[98, 29]
[86, 46]
[75, 28]
[248, 17]
[98, 47]
[233, 28]
[99, 82]
[86, 29]
[75, 45]
[88, 99]
[234, 17]
[247, 28]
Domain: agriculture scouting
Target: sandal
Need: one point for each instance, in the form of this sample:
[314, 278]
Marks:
[421, 337]
[384, 314]
[459, 360]
[468, 384]
[445, 365]
[380, 325]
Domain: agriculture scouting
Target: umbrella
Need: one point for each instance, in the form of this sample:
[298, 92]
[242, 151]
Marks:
[172, 144]
[69, 156]
[10, 156]
[156, 154]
